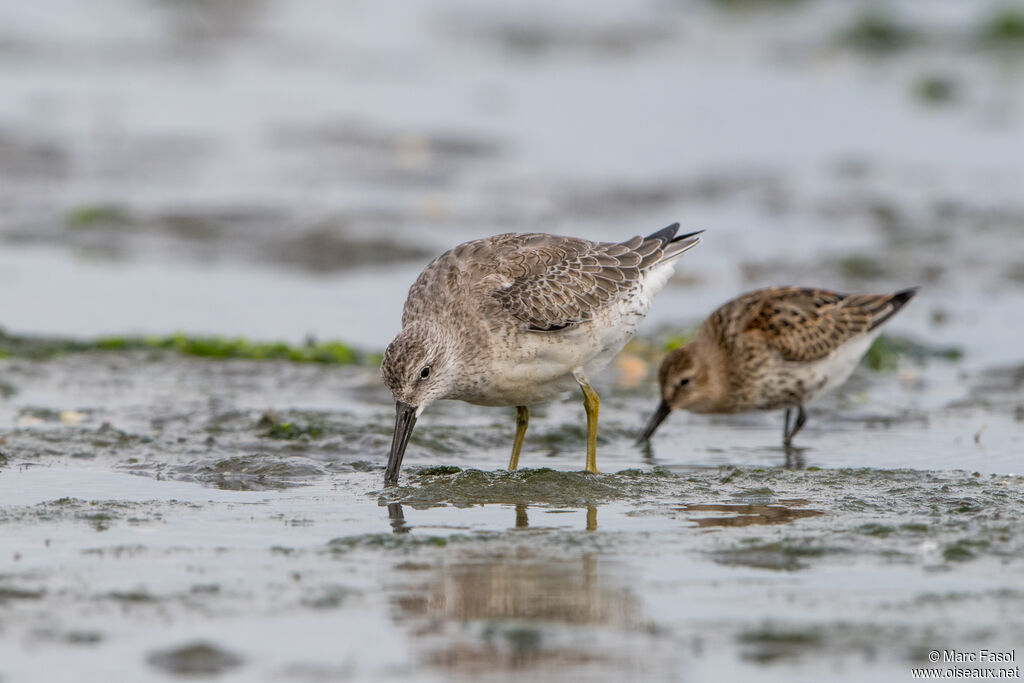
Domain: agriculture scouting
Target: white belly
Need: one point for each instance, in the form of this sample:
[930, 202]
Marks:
[832, 371]
[537, 367]
[540, 366]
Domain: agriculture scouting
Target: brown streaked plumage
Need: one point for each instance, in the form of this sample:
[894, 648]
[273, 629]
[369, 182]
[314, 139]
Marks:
[520, 319]
[770, 349]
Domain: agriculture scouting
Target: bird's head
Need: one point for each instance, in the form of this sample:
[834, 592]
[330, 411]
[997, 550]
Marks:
[685, 379]
[419, 367]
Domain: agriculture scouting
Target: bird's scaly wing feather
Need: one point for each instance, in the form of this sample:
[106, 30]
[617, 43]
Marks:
[552, 283]
[801, 324]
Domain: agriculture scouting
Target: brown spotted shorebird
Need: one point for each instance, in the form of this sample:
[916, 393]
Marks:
[521, 319]
[771, 349]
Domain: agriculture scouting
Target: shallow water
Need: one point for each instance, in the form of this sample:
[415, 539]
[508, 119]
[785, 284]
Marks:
[155, 521]
[293, 165]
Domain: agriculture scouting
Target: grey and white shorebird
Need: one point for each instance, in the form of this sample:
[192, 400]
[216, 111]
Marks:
[521, 319]
[770, 349]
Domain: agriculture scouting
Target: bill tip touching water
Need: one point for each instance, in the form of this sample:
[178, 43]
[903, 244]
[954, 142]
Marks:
[522, 319]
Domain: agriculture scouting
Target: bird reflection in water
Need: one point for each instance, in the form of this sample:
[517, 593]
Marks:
[748, 515]
[483, 613]
[523, 520]
[523, 600]
[396, 518]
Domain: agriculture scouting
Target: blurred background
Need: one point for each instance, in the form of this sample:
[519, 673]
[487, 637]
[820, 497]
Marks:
[293, 165]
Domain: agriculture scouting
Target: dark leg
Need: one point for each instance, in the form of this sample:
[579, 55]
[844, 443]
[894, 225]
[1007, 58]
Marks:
[801, 418]
[397, 517]
[647, 451]
[788, 432]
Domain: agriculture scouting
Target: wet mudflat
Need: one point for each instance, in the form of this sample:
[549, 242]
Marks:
[197, 198]
[174, 516]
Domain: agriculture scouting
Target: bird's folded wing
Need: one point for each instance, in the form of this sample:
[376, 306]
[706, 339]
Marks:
[806, 324]
[552, 283]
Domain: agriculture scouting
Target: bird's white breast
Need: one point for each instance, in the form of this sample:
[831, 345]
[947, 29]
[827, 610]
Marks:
[537, 367]
[836, 368]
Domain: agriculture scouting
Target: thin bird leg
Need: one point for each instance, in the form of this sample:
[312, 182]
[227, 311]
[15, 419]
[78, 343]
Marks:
[590, 403]
[785, 429]
[522, 419]
[801, 418]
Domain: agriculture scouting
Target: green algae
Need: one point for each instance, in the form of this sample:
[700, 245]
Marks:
[439, 470]
[1003, 29]
[292, 430]
[653, 347]
[676, 341]
[962, 550]
[635, 472]
[935, 89]
[218, 347]
[776, 634]
[875, 529]
[847, 492]
[885, 352]
[861, 267]
[100, 521]
[405, 542]
[787, 554]
[878, 33]
[241, 348]
[98, 215]
[542, 486]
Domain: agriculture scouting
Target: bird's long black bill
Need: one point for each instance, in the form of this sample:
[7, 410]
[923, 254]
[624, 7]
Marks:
[659, 416]
[405, 420]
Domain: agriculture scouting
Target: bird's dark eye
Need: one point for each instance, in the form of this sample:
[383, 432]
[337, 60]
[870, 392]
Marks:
[684, 381]
[425, 372]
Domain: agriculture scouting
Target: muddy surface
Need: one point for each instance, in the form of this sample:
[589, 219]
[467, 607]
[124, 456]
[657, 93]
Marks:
[185, 516]
[210, 213]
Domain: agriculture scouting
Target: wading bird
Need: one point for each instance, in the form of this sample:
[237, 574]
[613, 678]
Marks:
[772, 349]
[521, 319]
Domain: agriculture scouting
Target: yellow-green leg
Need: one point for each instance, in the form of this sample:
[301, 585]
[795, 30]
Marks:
[591, 402]
[522, 419]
